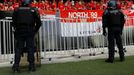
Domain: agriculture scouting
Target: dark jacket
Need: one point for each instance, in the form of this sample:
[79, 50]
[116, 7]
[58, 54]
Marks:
[113, 18]
[26, 20]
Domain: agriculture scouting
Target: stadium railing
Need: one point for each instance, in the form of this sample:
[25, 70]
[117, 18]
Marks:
[63, 37]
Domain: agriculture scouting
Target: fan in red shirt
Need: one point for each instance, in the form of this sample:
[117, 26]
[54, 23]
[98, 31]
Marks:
[80, 6]
[1, 7]
[54, 5]
[15, 5]
[34, 4]
[104, 5]
[122, 5]
[61, 5]
[40, 5]
[98, 6]
[73, 6]
[119, 4]
[10, 8]
[68, 5]
[5, 7]
[130, 4]
[48, 6]
[91, 5]
[76, 4]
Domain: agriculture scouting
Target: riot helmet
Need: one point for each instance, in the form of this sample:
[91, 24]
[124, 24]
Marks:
[112, 4]
[25, 2]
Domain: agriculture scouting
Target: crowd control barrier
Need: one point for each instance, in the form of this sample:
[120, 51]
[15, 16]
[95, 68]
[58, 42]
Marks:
[64, 37]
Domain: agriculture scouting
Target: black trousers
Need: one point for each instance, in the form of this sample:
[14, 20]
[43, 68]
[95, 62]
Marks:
[114, 35]
[21, 42]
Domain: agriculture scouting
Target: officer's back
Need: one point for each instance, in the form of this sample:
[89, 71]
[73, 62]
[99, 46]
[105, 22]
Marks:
[113, 20]
[113, 17]
[24, 19]
[26, 22]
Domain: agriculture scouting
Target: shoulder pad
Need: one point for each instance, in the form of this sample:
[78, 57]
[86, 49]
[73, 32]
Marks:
[113, 11]
[24, 8]
[33, 9]
[105, 12]
[16, 9]
[120, 11]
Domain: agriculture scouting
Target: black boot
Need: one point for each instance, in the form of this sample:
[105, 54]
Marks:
[109, 60]
[121, 53]
[122, 58]
[32, 68]
[15, 69]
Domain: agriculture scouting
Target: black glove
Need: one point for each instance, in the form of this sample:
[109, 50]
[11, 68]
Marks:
[121, 32]
[35, 31]
[104, 33]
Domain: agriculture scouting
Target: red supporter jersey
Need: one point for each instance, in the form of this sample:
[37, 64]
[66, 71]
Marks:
[80, 7]
[48, 6]
[34, 4]
[91, 5]
[15, 5]
[54, 6]
[40, 5]
[68, 5]
[98, 7]
[61, 5]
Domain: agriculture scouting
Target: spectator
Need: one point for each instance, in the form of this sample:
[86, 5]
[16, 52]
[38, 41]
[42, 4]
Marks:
[61, 5]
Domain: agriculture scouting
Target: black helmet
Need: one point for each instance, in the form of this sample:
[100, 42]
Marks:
[112, 4]
[26, 2]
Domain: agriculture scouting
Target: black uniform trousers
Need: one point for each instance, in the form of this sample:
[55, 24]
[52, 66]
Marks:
[25, 40]
[114, 35]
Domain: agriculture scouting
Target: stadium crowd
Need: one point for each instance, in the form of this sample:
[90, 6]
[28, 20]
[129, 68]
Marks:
[47, 5]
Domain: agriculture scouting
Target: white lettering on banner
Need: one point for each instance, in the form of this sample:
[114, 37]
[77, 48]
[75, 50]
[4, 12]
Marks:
[81, 29]
[82, 15]
[78, 15]
[87, 32]
[48, 17]
[93, 14]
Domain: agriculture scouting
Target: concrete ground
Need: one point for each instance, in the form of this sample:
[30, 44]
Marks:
[86, 56]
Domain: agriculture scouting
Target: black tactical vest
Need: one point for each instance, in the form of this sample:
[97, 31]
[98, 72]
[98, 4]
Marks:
[25, 16]
[114, 18]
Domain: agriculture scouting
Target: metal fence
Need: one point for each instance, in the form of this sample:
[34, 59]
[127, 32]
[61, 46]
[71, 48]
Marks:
[6, 41]
[61, 38]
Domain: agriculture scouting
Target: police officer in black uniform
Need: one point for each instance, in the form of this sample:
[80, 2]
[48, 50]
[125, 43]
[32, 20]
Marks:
[113, 19]
[26, 22]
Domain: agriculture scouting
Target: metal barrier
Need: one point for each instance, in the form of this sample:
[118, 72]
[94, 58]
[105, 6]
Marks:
[61, 38]
[6, 41]
[58, 41]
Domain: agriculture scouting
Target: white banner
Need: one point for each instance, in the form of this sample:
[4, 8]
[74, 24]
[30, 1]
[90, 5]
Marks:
[81, 29]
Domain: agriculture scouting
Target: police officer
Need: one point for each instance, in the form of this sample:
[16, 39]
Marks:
[26, 22]
[113, 19]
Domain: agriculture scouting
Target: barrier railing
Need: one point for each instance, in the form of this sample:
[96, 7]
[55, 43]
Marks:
[61, 38]
[6, 41]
